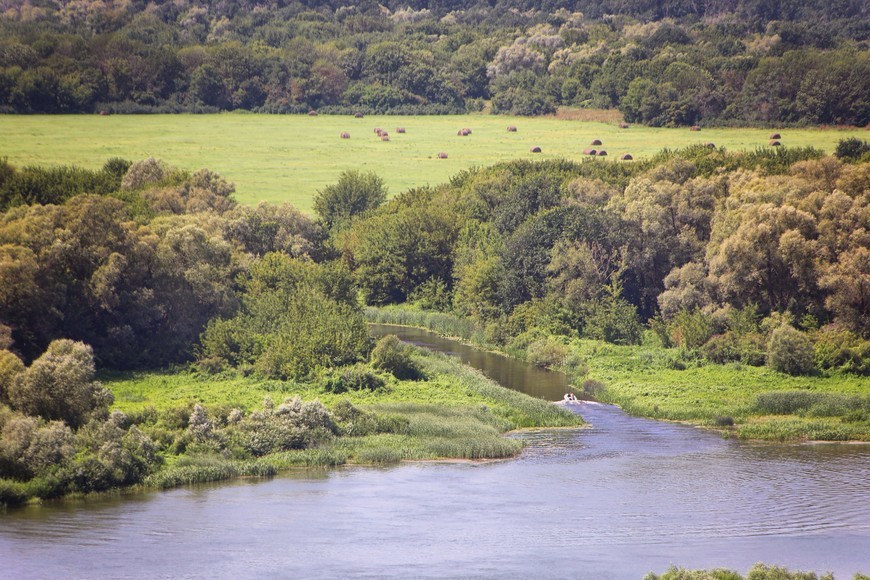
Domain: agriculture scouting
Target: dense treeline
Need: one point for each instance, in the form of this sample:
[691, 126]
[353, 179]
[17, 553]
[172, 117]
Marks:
[764, 262]
[660, 63]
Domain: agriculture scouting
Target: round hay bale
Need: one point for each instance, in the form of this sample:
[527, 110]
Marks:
[358, 115]
[345, 135]
[710, 145]
[104, 113]
[775, 136]
[596, 142]
[590, 151]
[626, 157]
[511, 129]
[400, 129]
[602, 153]
[694, 128]
[774, 143]
[312, 113]
[385, 137]
[623, 125]
[441, 155]
[536, 149]
[378, 130]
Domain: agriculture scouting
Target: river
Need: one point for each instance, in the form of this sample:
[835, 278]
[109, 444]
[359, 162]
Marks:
[622, 498]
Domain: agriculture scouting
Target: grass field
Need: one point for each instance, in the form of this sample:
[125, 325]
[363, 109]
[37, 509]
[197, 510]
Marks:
[279, 158]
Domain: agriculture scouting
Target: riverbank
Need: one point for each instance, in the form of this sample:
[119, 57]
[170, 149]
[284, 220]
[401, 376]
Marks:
[737, 400]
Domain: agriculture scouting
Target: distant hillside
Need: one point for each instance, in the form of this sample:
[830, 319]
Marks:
[677, 62]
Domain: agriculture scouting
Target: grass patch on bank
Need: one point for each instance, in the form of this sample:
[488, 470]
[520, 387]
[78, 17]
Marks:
[288, 158]
[456, 413]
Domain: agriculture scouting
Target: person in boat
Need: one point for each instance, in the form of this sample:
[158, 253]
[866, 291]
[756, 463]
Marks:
[570, 398]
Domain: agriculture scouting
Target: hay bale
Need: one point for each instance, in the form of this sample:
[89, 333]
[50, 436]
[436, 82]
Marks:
[400, 129]
[590, 151]
[464, 132]
[104, 113]
[775, 136]
[596, 142]
[312, 113]
[441, 155]
[710, 145]
[623, 125]
[345, 135]
[536, 149]
[385, 137]
[602, 153]
[774, 143]
[694, 128]
[626, 157]
[511, 129]
[358, 115]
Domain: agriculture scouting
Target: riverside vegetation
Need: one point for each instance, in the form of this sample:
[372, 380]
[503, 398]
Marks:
[750, 268]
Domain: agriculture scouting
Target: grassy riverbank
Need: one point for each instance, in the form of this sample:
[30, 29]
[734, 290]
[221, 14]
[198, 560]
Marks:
[288, 158]
[677, 385]
[455, 413]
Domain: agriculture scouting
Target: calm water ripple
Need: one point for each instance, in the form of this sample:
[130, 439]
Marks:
[623, 498]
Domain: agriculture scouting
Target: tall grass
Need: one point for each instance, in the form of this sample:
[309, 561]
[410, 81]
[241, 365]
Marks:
[440, 322]
[811, 402]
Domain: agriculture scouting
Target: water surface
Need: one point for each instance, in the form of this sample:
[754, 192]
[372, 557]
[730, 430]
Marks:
[622, 498]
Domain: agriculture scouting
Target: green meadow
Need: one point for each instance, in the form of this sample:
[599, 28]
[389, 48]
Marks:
[288, 158]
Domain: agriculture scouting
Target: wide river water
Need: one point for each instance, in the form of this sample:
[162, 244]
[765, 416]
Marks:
[622, 498]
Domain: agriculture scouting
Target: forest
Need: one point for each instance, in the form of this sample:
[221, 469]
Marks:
[716, 62]
[723, 258]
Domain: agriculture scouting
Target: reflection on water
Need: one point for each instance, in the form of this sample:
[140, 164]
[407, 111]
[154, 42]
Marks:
[622, 498]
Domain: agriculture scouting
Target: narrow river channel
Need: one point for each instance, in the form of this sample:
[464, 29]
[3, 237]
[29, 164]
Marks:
[620, 499]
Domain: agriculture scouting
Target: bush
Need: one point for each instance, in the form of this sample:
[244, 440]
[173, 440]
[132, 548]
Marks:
[59, 385]
[731, 347]
[612, 320]
[355, 194]
[838, 348]
[852, 149]
[353, 378]
[546, 352]
[394, 356]
[790, 351]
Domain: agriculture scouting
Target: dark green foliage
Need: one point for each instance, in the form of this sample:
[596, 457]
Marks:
[296, 318]
[44, 185]
[612, 319]
[353, 195]
[790, 351]
[754, 61]
[394, 356]
[748, 349]
[852, 149]
[351, 378]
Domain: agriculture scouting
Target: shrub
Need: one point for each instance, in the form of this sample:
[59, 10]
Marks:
[31, 447]
[355, 194]
[546, 352]
[10, 367]
[394, 356]
[690, 329]
[838, 348]
[352, 378]
[612, 320]
[790, 351]
[731, 347]
[852, 149]
[59, 385]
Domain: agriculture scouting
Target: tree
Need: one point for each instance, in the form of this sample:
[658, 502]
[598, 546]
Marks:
[790, 351]
[354, 194]
[60, 385]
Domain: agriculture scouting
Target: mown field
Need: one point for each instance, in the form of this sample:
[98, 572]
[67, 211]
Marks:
[280, 158]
